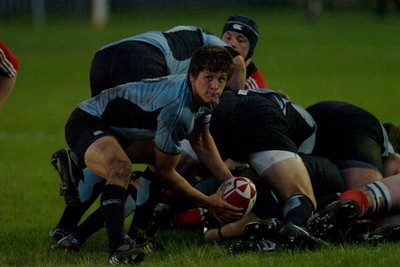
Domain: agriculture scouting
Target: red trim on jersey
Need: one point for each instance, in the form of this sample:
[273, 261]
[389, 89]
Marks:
[255, 81]
[8, 61]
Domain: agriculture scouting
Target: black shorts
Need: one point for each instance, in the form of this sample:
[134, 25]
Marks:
[325, 176]
[347, 134]
[82, 129]
[126, 62]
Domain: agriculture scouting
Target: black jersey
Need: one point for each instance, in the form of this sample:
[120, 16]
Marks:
[249, 121]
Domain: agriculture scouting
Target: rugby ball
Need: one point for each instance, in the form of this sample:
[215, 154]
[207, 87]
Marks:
[240, 192]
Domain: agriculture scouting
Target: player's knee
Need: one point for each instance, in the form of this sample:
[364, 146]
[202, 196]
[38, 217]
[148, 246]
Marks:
[393, 132]
[119, 170]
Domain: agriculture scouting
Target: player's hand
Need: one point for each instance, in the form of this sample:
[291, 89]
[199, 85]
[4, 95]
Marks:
[222, 210]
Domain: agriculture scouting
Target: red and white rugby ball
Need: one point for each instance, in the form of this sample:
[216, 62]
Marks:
[240, 192]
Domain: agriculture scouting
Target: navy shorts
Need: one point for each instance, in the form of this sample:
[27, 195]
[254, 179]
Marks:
[324, 175]
[82, 129]
[348, 135]
[126, 62]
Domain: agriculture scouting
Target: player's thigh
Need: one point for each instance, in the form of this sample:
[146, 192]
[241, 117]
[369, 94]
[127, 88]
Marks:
[357, 177]
[83, 129]
[289, 177]
[105, 155]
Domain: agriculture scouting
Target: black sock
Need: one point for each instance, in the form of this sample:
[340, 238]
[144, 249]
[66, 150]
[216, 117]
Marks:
[73, 212]
[94, 222]
[144, 212]
[298, 209]
[72, 215]
[325, 200]
[112, 205]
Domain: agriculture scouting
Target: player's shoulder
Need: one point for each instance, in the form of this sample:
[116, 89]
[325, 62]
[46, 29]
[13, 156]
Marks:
[183, 28]
[8, 61]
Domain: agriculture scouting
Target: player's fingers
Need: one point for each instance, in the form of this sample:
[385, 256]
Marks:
[232, 209]
[221, 190]
[227, 217]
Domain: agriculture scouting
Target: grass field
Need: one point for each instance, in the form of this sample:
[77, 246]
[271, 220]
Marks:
[349, 56]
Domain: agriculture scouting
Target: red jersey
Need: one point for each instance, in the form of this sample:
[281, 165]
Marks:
[255, 79]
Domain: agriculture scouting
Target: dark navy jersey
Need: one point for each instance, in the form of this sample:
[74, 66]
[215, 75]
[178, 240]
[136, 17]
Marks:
[177, 44]
[250, 121]
[160, 108]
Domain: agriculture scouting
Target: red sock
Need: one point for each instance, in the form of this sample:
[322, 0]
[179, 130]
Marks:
[190, 217]
[358, 196]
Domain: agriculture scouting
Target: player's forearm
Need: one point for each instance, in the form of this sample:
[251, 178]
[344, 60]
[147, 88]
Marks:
[218, 168]
[208, 153]
[238, 79]
[183, 189]
[230, 230]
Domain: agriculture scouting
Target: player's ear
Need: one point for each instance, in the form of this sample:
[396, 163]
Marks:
[191, 78]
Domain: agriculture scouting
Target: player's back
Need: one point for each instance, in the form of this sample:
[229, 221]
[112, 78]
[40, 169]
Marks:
[177, 44]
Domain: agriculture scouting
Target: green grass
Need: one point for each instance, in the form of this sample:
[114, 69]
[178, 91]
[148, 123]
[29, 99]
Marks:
[349, 56]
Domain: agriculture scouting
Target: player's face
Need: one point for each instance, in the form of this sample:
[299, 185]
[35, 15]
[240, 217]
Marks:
[238, 41]
[208, 86]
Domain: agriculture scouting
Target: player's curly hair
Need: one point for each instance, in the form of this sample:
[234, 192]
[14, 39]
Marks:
[393, 131]
[211, 58]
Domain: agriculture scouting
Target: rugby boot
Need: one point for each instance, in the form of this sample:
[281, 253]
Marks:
[69, 173]
[56, 235]
[126, 254]
[292, 236]
[328, 222]
[265, 229]
[69, 243]
[387, 233]
[243, 246]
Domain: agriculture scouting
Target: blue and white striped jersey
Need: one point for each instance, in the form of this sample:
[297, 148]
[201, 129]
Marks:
[160, 108]
[177, 44]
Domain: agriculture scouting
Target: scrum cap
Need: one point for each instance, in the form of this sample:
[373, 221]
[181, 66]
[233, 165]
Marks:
[245, 26]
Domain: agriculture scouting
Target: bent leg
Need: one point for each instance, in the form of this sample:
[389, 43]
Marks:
[290, 179]
[106, 158]
[355, 178]
[391, 165]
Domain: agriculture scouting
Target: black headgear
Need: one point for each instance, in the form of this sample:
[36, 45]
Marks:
[245, 26]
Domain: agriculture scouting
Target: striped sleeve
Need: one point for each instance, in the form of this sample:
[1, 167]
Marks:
[8, 61]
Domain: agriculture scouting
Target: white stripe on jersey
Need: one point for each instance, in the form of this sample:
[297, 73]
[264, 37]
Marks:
[6, 65]
[251, 84]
